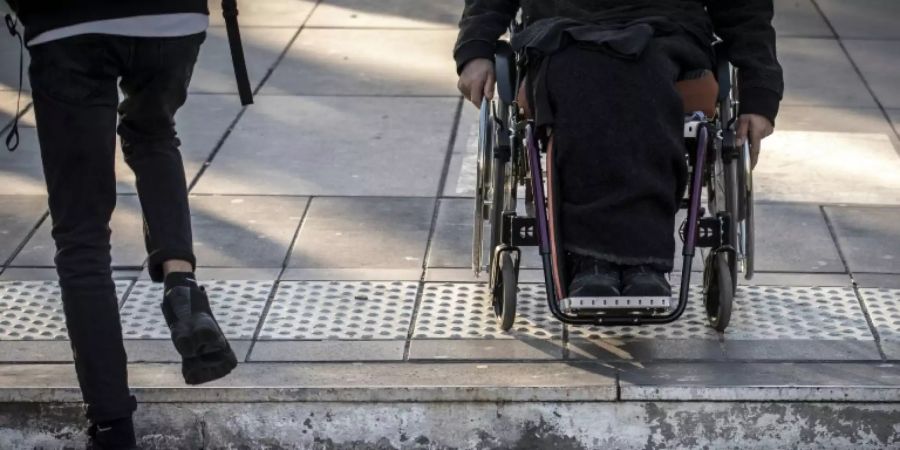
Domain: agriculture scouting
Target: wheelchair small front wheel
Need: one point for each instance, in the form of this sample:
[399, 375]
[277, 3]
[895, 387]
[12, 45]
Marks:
[718, 291]
[505, 295]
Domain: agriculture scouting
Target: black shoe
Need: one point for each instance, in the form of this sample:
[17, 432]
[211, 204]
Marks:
[644, 281]
[593, 277]
[206, 354]
[113, 435]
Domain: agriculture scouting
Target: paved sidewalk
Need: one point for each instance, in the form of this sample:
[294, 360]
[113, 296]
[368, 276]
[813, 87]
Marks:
[332, 218]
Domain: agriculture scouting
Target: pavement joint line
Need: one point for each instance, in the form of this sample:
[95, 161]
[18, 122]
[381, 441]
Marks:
[131, 284]
[28, 236]
[865, 81]
[854, 285]
[420, 292]
[277, 282]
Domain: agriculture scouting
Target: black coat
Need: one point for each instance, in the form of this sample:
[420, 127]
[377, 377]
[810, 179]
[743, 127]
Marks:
[745, 26]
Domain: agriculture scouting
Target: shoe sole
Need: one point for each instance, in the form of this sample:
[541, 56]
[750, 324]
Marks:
[208, 367]
[199, 336]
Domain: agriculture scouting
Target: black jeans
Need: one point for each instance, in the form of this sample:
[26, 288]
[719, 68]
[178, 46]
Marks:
[618, 131]
[76, 105]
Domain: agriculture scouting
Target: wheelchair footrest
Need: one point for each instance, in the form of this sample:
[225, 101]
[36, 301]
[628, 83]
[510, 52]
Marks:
[599, 304]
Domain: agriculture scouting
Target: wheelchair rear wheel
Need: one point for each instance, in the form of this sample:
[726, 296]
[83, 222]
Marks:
[505, 293]
[718, 290]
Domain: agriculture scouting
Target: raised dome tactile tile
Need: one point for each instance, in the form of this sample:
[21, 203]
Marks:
[884, 309]
[464, 311]
[340, 310]
[32, 310]
[760, 313]
[237, 306]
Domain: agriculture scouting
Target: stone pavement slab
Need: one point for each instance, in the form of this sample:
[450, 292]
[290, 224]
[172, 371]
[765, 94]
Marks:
[883, 306]
[20, 171]
[461, 172]
[754, 382]
[364, 232]
[328, 351]
[127, 239]
[385, 14]
[869, 19]
[868, 236]
[8, 100]
[19, 215]
[9, 70]
[799, 18]
[265, 13]
[818, 72]
[334, 146]
[241, 231]
[367, 62]
[214, 73]
[879, 62]
[792, 237]
[319, 310]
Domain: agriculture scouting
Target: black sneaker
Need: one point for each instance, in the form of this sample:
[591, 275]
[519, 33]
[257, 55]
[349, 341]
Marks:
[206, 354]
[644, 281]
[593, 277]
[114, 435]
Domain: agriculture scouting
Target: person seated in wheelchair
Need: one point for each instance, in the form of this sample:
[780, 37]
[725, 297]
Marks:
[602, 84]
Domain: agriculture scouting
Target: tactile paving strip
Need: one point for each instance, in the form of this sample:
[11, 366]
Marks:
[884, 309]
[340, 310]
[464, 311]
[237, 306]
[761, 312]
[32, 310]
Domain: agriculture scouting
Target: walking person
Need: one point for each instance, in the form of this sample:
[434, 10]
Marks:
[82, 54]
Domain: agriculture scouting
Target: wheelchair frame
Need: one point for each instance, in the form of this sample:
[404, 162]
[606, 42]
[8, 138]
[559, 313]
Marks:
[509, 157]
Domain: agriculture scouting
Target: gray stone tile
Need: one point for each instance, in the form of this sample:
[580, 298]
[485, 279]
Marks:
[468, 276]
[799, 279]
[8, 102]
[19, 214]
[461, 173]
[340, 310]
[364, 233]
[883, 306]
[239, 231]
[9, 70]
[730, 381]
[877, 280]
[863, 18]
[238, 306]
[334, 146]
[878, 62]
[451, 246]
[127, 239]
[891, 350]
[29, 274]
[327, 351]
[21, 172]
[386, 14]
[265, 13]
[464, 311]
[214, 73]
[829, 155]
[817, 72]
[802, 350]
[33, 310]
[794, 238]
[799, 18]
[225, 273]
[162, 350]
[868, 236]
[485, 349]
[646, 349]
[351, 275]
[895, 120]
[367, 62]
[35, 351]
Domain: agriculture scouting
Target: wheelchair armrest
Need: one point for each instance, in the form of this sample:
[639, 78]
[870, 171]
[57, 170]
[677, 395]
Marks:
[505, 70]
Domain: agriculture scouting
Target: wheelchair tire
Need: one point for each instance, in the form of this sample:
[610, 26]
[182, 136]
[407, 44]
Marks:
[498, 202]
[718, 291]
[505, 294]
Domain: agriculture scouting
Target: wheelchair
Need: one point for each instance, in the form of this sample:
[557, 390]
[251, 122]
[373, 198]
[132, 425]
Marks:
[516, 206]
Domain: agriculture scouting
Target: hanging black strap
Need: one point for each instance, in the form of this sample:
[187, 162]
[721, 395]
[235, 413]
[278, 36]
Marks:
[12, 138]
[230, 12]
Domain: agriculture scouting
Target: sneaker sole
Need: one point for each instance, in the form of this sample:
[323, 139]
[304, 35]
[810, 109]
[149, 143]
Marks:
[200, 336]
[209, 367]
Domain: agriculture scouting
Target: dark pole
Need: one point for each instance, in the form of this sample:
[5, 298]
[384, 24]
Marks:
[230, 12]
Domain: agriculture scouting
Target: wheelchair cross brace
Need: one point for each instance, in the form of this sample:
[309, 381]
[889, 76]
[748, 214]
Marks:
[543, 237]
